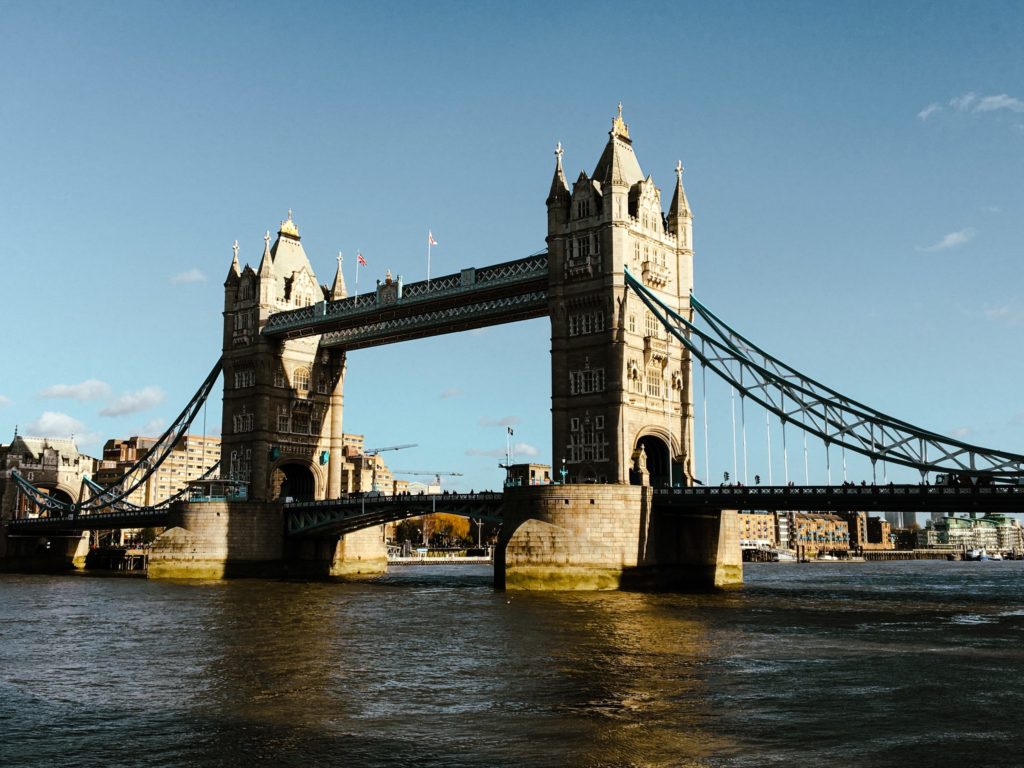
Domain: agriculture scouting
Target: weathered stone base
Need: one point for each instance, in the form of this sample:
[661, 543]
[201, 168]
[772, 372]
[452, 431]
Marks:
[43, 554]
[590, 537]
[222, 540]
[362, 554]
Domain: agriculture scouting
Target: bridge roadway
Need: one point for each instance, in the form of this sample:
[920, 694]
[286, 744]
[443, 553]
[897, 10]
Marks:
[472, 298]
[339, 516]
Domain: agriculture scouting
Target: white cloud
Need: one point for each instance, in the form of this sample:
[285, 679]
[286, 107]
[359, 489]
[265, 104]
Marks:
[450, 392]
[504, 421]
[952, 240]
[54, 424]
[91, 389]
[1010, 313]
[132, 402]
[191, 276]
[519, 450]
[928, 111]
[962, 103]
[961, 432]
[1002, 101]
[4, 401]
[154, 427]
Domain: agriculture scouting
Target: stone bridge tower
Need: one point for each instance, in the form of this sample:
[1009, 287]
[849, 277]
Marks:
[281, 428]
[621, 391]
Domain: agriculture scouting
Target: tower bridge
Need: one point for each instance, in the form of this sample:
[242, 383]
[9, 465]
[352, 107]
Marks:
[616, 282]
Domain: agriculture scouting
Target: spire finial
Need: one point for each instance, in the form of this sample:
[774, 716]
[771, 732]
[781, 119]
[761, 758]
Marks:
[558, 150]
[340, 257]
[289, 214]
[619, 127]
[235, 248]
[679, 170]
[266, 237]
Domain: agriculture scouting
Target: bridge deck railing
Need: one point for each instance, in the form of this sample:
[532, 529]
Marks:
[466, 281]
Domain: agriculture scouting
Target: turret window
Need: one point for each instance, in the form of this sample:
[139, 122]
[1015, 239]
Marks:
[302, 379]
[586, 381]
[586, 322]
[245, 377]
[582, 209]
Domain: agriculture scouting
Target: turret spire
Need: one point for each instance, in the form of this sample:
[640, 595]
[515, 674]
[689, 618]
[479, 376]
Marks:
[338, 290]
[267, 260]
[680, 205]
[559, 187]
[234, 273]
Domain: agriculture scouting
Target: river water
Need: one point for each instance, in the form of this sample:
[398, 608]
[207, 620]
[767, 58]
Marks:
[863, 664]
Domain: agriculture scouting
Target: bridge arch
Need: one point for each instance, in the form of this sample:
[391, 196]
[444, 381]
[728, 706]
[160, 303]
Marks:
[660, 449]
[297, 479]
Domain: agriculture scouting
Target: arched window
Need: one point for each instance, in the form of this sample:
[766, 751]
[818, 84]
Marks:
[302, 379]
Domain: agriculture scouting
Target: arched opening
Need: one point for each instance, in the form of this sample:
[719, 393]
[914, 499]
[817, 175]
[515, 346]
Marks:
[657, 457]
[292, 481]
[61, 495]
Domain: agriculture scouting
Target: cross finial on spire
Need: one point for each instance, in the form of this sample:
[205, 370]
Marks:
[340, 257]
[620, 110]
[266, 237]
[679, 169]
[289, 214]
[558, 150]
[235, 248]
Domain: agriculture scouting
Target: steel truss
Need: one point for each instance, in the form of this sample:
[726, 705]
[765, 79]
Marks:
[819, 410]
[340, 516]
[99, 498]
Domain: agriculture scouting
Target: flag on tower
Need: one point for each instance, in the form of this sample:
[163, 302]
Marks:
[360, 259]
[430, 238]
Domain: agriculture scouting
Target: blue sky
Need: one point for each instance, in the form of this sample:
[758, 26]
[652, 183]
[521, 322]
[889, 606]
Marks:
[854, 171]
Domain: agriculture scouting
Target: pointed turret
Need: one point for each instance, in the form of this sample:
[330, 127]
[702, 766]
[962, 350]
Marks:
[338, 290]
[618, 165]
[267, 261]
[234, 273]
[559, 186]
[680, 218]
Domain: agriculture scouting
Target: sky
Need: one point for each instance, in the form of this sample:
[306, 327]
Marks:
[854, 171]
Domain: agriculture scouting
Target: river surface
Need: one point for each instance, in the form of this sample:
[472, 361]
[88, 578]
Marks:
[863, 664]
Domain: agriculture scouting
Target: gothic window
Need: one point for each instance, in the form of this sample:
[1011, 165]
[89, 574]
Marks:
[587, 322]
[283, 419]
[245, 377]
[300, 423]
[279, 378]
[652, 325]
[654, 383]
[632, 323]
[302, 379]
[245, 291]
[586, 381]
[316, 424]
[323, 384]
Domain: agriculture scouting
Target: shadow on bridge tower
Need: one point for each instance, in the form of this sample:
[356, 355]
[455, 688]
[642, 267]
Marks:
[621, 395]
[281, 430]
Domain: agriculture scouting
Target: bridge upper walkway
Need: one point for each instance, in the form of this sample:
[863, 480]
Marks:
[472, 298]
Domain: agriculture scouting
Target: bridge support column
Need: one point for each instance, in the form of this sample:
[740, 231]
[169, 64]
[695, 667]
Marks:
[584, 537]
[355, 555]
[55, 552]
[216, 540]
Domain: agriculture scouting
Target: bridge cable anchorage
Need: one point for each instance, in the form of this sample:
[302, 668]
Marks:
[131, 480]
[824, 412]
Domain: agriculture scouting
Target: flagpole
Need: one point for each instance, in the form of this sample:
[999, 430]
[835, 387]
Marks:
[358, 254]
[429, 238]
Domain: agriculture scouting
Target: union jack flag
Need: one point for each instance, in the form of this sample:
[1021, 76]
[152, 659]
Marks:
[430, 238]
[360, 259]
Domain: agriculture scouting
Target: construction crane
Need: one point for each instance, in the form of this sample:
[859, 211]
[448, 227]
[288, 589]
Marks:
[437, 475]
[374, 451]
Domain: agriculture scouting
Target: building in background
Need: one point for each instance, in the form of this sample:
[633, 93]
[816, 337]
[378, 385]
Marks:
[51, 464]
[188, 460]
[758, 530]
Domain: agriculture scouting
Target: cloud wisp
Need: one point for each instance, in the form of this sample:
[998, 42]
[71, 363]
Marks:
[928, 111]
[972, 103]
[952, 240]
[518, 450]
[1010, 313]
[4, 400]
[133, 402]
[188, 277]
[504, 421]
[450, 392]
[90, 389]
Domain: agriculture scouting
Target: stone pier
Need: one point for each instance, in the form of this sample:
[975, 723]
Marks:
[216, 540]
[48, 553]
[561, 537]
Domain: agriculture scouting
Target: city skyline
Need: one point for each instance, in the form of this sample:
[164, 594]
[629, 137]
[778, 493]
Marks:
[854, 191]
